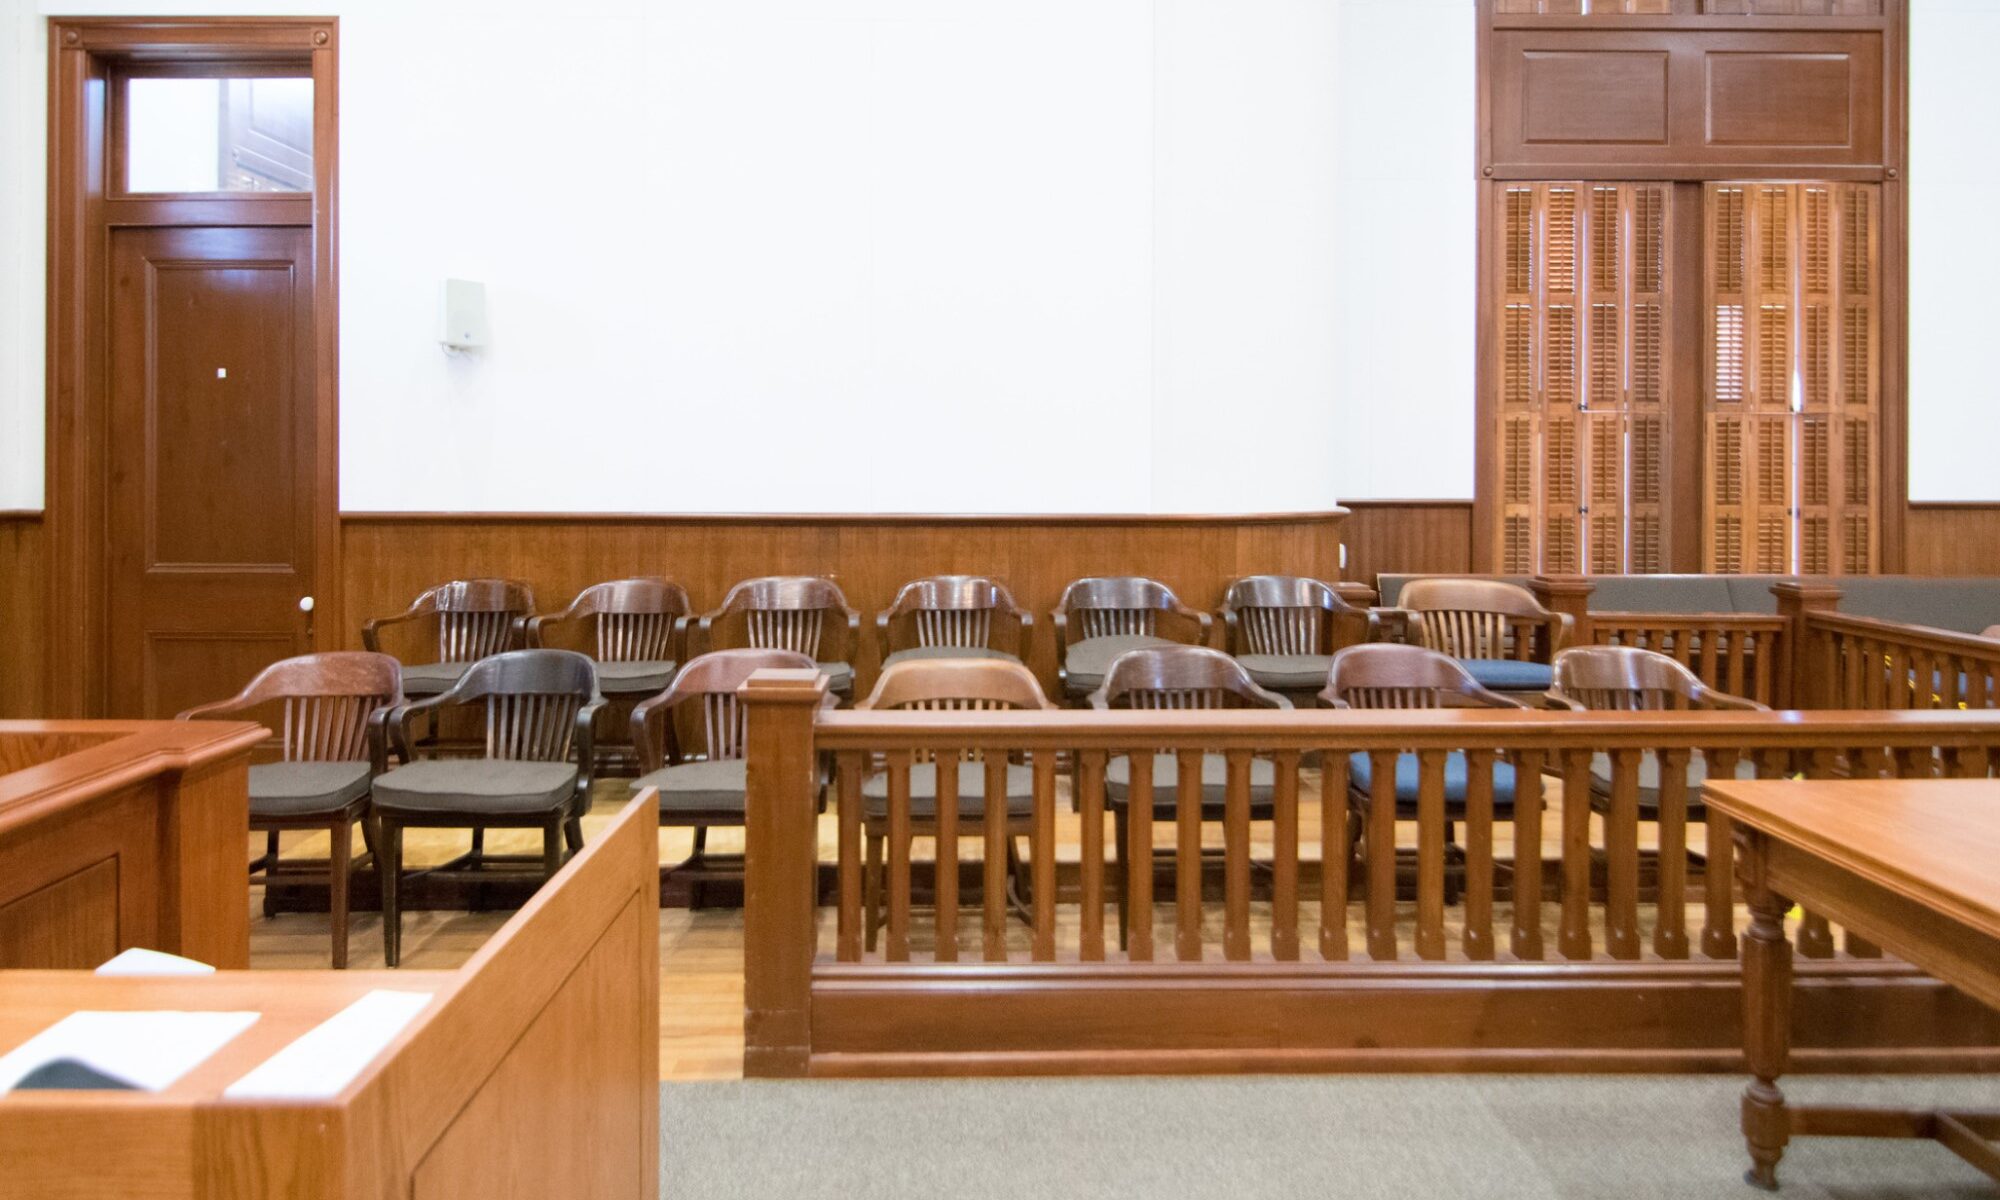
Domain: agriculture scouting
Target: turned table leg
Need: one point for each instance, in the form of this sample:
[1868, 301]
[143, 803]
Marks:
[1767, 1014]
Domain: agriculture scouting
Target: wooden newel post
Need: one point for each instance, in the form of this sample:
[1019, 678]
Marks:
[1797, 598]
[781, 870]
[1567, 594]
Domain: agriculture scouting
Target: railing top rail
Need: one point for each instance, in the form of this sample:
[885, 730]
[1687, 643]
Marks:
[1729, 620]
[1403, 730]
[1964, 643]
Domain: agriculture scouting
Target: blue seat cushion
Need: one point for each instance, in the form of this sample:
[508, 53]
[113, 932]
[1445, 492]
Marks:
[1510, 674]
[1361, 777]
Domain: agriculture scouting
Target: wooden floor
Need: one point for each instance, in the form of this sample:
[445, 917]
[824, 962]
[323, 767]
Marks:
[701, 951]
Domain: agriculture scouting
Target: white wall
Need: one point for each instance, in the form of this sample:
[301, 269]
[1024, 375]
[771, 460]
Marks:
[1954, 250]
[1036, 255]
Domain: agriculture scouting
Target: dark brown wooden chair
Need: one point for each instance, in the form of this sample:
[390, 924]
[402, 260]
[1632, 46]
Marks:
[1502, 634]
[1628, 679]
[953, 616]
[1099, 619]
[1284, 630]
[534, 773]
[475, 618]
[790, 612]
[1179, 678]
[948, 685]
[636, 629]
[705, 788]
[332, 746]
[1388, 676]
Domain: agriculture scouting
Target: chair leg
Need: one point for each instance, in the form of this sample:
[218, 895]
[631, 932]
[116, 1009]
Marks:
[270, 865]
[698, 859]
[389, 869]
[337, 864]
[477, 854]
[552, 849]
[871, 887]
[572, 831]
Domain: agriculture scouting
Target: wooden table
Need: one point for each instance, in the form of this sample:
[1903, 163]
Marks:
[1908, 864]
[532, 1071]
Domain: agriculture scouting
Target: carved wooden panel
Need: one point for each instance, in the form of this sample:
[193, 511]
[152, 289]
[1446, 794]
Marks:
[67, 925]
[1583, 376]
[1793, 391]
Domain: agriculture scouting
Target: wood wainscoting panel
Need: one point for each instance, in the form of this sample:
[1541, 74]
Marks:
[1408, 536]
[23, 615]
[68, 925]
[1952, 539]
[389, 558]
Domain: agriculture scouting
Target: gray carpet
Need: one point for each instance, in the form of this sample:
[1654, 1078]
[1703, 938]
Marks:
[1330, 1138]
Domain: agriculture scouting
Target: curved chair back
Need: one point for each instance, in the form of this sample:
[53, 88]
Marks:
[531, 697]
[1479, 618]
[784, 612]
[475, 617]
[957, 685]
[1120, 605]
[712, 679]
[1181, 677]
[1283, 614]
[952, 610]
[329, 702]
[1629, 679]
[1385, 675]
[634, 620]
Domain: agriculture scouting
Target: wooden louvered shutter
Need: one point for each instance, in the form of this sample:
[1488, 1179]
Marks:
[1582, 377]
[1791, 330]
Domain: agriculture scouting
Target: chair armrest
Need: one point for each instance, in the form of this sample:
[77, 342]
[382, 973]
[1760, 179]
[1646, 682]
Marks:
[213, 709]
[882, 629]
[400, 717]
[651, 757]
[1390, 624]
[584, 744]
[1229, 630]
[1562, 629]
[1561, 703]
[705, 627]
[370, 632]
[854, 646]
[378, 740]
[1710, 698]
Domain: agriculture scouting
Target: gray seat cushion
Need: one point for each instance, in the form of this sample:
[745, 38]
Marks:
[1088, 660]
[715, 787]
[971, 791]
[428, 679]
[627, 678]
[1166, 781]
[1649, 780]
[1457, 778]
[933, 653]
[1287, 672]
[477, 785]
[1510, 674]
[301, 789]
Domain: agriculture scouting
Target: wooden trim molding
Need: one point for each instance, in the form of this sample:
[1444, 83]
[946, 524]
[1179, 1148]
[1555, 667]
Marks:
[82, 52]
[895, 518]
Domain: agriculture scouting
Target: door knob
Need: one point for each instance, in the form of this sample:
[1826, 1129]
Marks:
[305, 604]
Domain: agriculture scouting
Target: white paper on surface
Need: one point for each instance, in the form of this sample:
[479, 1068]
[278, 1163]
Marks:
[325, 1059]
[137, 961]
[148, 1050]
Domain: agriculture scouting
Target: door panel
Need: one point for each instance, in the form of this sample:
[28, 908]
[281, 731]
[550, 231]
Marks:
[209, 453]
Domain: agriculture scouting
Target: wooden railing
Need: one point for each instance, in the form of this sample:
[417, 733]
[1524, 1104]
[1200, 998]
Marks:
[1737, 653]
[1266, 883]
[1864, 663]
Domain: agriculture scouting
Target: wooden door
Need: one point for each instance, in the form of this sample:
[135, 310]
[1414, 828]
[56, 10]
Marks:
[209, 456]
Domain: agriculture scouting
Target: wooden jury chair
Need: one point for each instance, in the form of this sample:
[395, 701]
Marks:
[948, 685]
[534, 774]
[1179, 678]
[700, 790]
[636, 630]
[1500, 632]
[1388, 676]
[1628, 679]
[1283, 629]
[789, 612]
[1099, 619]
[952, 616]
[332, 747]
[475, 618]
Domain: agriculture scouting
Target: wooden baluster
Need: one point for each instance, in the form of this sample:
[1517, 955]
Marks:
[944, 862]
[1044, 849]
[1285, 858]
[1382, 855]
[993, 935]
[1670, 938]
[1621, 844]
[847, 806]
[1090, 783]
[1573, 935]
[1901, 682]
[1711, 653]
[1139, 861]
[897, 948]
[1236, 858]
[1737, 673]
[1718, 930]
[1478, 938]
[1430, 855]
[1187, 857]
[1526, 937]
[1928, 687]
[1334, 854]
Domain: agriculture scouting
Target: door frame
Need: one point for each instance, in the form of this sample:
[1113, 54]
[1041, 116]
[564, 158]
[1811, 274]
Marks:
[83, 52]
